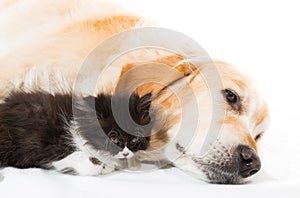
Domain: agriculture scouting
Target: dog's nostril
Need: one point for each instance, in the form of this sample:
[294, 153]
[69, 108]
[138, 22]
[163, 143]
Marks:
[249, 162]
[252, 172]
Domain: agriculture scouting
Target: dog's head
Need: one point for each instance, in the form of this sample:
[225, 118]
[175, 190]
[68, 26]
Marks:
[232, 156]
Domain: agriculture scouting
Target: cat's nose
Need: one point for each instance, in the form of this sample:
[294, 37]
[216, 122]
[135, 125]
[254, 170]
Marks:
[125, 154]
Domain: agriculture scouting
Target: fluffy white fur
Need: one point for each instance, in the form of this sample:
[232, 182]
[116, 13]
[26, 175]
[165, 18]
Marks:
[80, 160]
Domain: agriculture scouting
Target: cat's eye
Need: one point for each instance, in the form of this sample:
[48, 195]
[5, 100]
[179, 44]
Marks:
[114, 140]
[135, 140]
[113, 136]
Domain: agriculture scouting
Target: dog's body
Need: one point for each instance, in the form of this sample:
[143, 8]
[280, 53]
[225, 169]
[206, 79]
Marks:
[59, 35]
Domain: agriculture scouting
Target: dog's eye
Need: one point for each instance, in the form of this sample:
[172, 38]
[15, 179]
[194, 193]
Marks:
[258, 136]
[230, 96]
[232, 99]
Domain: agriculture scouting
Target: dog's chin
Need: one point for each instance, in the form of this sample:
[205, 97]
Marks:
[216, 172]
[215, 175]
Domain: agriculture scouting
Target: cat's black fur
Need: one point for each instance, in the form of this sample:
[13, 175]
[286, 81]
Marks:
[34, 127]
[134, 133]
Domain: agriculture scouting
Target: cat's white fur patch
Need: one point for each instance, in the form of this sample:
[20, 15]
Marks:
[80, 160]
[125, 153]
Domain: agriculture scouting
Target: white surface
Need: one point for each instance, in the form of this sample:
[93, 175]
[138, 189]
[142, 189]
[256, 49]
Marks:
[260, 37]
[161, 183]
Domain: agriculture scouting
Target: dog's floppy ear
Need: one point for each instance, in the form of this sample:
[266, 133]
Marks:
[141, 108]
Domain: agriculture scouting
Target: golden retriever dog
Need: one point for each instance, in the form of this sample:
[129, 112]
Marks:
[218, 144]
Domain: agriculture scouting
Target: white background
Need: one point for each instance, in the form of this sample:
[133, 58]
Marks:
[262, 38]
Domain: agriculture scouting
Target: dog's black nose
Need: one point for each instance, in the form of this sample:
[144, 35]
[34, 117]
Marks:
[249, 162]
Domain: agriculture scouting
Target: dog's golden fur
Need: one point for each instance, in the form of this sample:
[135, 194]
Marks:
[63, 33]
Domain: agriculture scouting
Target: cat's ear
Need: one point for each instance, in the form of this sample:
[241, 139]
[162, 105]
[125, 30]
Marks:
[145, 103]
[143, 108]
[99, 104]
[103, 106]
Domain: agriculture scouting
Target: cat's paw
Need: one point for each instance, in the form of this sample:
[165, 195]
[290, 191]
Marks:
[104, 168]
[68, 171]
[107, 169]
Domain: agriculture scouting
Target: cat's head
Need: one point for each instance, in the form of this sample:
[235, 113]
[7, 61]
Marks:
[126, 140]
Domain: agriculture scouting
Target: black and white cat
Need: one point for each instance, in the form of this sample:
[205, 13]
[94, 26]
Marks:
[39, 129]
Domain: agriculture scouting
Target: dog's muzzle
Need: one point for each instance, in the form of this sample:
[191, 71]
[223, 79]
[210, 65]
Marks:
[230, 166]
